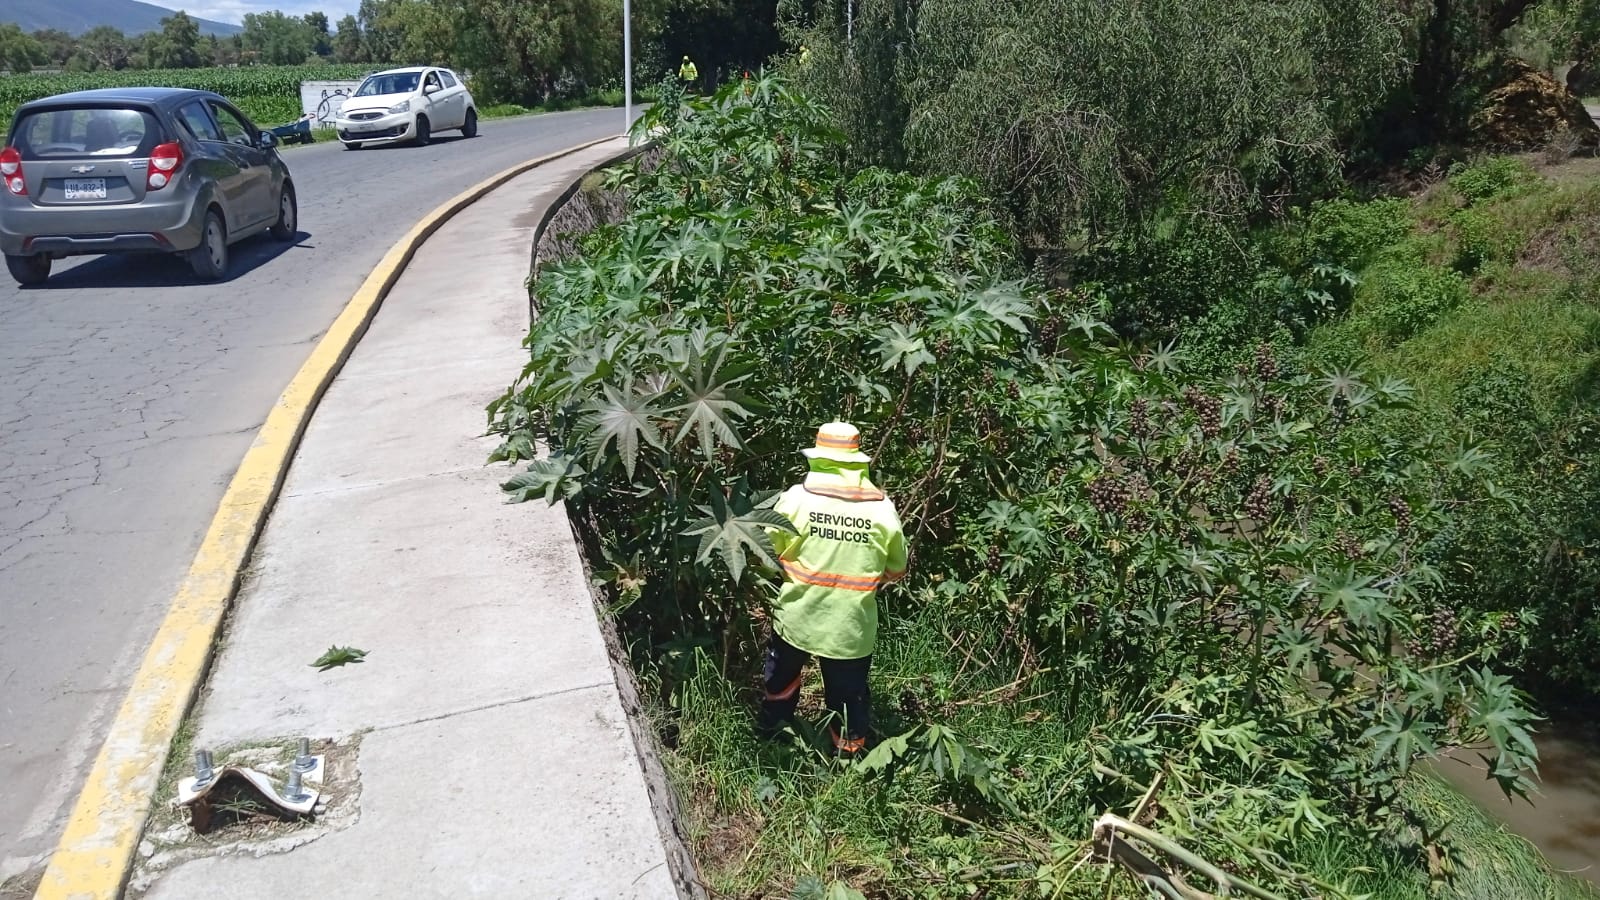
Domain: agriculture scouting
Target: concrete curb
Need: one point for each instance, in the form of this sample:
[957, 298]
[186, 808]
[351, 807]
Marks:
[566, 196]
[664, 799]
[95, 853]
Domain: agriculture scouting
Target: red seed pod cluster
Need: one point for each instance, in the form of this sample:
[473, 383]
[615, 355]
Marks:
[1230, 462]
[994, 561]
[1139, 419]
[1108, 494]
[1207, 409]
[1049, 331]
[1272, 405]
[911, 705]
[1348, 545]
[1258, 505]
[1401, 511]
[1266, 363]
[1438, 635]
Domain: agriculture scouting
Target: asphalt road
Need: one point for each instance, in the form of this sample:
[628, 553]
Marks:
[128, 395]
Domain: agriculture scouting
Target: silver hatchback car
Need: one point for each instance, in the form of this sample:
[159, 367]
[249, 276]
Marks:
[138, 170]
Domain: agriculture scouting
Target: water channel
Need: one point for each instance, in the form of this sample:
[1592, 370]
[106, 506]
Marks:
[1563, 819]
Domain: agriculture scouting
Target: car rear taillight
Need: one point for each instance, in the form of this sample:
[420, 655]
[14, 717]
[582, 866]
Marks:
[164, 162]
[11, 172]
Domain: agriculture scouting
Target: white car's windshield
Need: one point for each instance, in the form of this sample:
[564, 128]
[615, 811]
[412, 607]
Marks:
[392, 83]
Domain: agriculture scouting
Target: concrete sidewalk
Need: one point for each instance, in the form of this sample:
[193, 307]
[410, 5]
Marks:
[495, 759]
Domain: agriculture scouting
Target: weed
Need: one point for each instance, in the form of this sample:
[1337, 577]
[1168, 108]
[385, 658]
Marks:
[1136, 587]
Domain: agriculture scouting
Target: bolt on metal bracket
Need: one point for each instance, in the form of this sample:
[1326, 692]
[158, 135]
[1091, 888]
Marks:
[303, 760]
[203, 771]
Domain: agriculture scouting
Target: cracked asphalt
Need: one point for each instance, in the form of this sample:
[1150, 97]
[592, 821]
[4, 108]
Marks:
[128, 395]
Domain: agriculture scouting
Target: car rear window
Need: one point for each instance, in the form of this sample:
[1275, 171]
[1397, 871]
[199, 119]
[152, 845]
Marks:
[96, 131]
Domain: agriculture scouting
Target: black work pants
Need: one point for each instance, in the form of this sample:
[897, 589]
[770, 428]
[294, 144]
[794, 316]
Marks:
[844, 685]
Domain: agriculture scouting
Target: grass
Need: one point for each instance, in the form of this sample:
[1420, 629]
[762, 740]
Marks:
[765, 817]
[1532, 279]
[1488, 862]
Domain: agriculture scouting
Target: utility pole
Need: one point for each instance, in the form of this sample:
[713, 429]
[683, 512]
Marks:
[627, 66]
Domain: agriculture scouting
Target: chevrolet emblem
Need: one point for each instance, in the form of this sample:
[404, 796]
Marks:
[82, 170]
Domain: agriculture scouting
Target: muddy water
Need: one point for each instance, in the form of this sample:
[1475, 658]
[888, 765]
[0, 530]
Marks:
[1563, 819]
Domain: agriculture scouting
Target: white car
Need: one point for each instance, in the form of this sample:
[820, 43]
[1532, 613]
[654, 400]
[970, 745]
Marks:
[406, 105]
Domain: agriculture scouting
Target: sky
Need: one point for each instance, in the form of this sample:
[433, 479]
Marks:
[233, 11]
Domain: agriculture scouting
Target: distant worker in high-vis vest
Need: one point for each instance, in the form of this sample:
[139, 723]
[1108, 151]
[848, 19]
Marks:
[687, 71]
[849, 544]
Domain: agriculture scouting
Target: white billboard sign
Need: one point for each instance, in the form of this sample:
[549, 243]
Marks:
[320, 100]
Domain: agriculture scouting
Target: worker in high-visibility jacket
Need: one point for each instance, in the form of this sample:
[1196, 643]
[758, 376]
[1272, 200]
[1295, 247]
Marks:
[688, 72]
[849, 543]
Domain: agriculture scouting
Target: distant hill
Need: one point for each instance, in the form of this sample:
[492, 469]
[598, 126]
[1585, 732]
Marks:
[77, 16]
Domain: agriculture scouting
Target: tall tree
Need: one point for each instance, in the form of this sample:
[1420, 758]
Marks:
[380, 37]
[524, 50]
[277, 39]
[424, 31]
[176, 45]
[107, 47]
[58, 45]
[348, 46]
[19, 51]
[723, 37]
[322, 42]
[1115, 113]
[1459, 46]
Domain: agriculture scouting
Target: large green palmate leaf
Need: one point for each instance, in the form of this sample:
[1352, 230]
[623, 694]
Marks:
[900, 346]
[713, 405]
[553, 478]
[1007, 304]
[733, 529]
[623, 418]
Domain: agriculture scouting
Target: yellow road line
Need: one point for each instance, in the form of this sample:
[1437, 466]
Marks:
[95, 854]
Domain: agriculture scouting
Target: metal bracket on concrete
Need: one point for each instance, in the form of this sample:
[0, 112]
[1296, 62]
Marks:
[203, 793]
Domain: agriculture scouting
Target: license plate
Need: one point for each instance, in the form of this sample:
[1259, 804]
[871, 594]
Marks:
[86, 189]
[363, 126]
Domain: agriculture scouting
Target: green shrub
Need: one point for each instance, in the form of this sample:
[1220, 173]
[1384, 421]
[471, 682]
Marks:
[1157, 281]
[1350, 233]
[1488, 305]
[1127, 577]
[1527, 578]
[1476, 238]
[1403, 296]
[1491, 178]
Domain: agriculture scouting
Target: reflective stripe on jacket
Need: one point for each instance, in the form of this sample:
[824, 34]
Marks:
[849, 542]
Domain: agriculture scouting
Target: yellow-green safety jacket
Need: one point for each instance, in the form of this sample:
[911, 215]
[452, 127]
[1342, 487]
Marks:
[850, 542]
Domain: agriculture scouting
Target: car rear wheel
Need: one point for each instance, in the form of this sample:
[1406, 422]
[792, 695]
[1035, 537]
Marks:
[210, 259]
[423, 134]
[29, 270]
[470, 128]
[288, 223]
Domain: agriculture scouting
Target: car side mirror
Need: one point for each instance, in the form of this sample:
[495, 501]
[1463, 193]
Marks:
[268, 141]
[430, 89]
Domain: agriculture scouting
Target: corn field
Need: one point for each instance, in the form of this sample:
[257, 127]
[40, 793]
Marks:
[269, 95]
